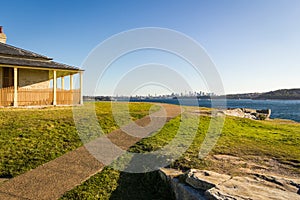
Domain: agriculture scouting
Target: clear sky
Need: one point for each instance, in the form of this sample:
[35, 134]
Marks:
[255, 44]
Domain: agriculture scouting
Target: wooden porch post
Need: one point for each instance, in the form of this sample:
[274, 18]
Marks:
[71, 81]
[54, 87]
[15, 86]
[62, 82]
[81, 88]
[71, 89]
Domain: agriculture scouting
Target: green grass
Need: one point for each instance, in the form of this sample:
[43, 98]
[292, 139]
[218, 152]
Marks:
[112, 184]
[247, 138]
[240, 137]
[31, 137]
[261, 138]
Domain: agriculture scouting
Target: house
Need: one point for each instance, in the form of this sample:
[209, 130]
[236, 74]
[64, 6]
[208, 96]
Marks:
[28, 79]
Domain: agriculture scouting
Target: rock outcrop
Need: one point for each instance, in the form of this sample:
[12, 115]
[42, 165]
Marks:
[250, 188]
[207, 185]
[204, 180]
[248, 113]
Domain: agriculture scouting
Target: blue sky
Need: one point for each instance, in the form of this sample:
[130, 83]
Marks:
[254, 44]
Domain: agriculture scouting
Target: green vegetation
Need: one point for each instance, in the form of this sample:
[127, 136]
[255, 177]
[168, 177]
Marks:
[252, 141]
[112, 184]
[31, 137]
[246, 139]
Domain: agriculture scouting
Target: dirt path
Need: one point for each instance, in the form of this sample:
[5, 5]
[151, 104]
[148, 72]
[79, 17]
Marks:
[53, 179]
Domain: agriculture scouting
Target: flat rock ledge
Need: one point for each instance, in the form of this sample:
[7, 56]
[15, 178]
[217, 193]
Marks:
[207, 185]
[248, 113]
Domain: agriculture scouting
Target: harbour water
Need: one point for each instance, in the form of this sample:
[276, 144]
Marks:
[284, 109]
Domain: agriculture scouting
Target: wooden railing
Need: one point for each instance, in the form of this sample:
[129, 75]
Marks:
[31, 97]
[6, 96]
[67, 97]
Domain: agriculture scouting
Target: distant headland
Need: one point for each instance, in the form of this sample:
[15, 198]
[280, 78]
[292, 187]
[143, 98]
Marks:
[283, 94]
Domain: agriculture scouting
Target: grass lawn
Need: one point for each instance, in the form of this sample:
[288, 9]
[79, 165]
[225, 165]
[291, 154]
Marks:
[252, 141]
[31, 137]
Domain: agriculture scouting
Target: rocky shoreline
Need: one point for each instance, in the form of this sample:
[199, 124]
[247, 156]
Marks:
[248, 113]
[208, 185]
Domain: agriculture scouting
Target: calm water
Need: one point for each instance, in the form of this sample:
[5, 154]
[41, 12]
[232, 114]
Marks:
[284, 109]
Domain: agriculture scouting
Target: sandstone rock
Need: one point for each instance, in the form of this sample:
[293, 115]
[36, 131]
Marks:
[250, 188]
[208, 185]
[168, 173]
[181, 190]
[184, 192]
[204, 180]
[250, 116]
[249, 113]
[292, 185]
[235, 112]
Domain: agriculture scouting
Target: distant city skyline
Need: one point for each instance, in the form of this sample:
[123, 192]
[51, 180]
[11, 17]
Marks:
[173, 94]
[255, 44]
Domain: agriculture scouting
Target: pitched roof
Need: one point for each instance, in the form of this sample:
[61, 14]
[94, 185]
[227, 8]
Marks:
[9, 50]
[10, 55]
[35, 63]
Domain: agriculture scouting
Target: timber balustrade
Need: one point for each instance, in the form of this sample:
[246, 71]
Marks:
[32, 97]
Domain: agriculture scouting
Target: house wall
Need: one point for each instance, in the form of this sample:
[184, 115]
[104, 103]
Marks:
[34, 79]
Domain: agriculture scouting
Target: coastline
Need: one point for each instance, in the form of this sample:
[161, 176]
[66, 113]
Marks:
[287, 109]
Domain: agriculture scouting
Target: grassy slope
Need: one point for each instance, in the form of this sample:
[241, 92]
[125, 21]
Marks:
[240, 137]
[246, 139]
[31, 137]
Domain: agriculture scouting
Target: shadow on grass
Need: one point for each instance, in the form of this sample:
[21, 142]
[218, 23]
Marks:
[6, 176]
[141, 186]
